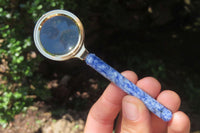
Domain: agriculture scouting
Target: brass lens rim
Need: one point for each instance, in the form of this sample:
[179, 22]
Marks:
[39, 25]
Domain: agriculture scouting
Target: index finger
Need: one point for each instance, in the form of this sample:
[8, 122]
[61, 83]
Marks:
[103, 113]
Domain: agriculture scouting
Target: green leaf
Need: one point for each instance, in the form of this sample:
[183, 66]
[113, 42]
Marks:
[39, 7]
[18, 48]
[53, 4]
[3, 122]
[1, 9]
[38, 121]
[20, 59]
[17, 95]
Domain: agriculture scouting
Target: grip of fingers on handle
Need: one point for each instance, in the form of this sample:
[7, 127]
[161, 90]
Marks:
[127, 86]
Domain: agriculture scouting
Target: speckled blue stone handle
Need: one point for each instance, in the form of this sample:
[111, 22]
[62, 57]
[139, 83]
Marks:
[130, 88]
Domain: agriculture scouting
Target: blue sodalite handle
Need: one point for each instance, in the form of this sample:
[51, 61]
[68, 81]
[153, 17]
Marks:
[130, 88]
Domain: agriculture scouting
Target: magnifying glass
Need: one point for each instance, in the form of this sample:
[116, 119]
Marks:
[59, 36]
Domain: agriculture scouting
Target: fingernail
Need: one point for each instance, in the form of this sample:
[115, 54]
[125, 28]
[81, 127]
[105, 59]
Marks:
[130, 111]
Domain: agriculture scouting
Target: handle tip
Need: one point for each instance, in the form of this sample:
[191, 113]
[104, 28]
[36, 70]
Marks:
[166, 115]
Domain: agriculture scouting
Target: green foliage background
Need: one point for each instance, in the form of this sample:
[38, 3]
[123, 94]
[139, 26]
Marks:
[151, 37]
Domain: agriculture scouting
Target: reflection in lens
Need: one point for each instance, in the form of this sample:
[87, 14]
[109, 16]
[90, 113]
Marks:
[59, 35]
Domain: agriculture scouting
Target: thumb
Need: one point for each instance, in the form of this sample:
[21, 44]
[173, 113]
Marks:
[135, 116]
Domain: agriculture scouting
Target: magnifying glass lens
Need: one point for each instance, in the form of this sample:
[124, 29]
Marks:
[59, 35]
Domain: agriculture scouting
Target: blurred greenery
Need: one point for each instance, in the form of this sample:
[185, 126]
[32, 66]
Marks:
[151, 37]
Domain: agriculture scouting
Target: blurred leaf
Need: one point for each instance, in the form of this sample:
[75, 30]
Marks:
[17, 95]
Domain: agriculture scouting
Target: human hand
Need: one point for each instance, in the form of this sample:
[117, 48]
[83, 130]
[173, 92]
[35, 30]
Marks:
[134, 116]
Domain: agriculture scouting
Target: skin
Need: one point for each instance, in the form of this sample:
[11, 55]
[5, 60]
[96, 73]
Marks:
[114, 101]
